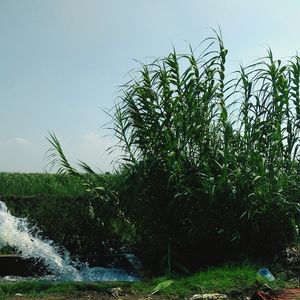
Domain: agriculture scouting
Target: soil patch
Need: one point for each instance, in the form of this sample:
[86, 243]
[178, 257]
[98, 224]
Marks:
[289, 294]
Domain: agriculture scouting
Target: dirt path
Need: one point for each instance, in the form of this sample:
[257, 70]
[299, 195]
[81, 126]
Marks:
[288, 294]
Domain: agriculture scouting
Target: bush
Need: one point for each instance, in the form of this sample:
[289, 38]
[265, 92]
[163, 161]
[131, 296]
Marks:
[84, 225]
[210, 164]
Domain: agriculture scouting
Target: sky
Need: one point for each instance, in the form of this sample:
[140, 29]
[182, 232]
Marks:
[62, 63]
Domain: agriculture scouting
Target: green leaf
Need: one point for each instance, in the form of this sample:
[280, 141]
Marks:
[161, 286]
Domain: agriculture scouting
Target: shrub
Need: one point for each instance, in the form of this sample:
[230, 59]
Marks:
[211, 164]
[211, 161]
[84, 224]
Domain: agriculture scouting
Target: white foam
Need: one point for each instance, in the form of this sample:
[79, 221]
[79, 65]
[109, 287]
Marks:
[16, 232]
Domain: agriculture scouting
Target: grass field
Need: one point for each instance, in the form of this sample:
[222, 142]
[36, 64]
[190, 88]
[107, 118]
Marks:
[235, 280]
[34, 184]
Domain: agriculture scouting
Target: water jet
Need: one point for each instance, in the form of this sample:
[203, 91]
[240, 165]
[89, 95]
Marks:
[40, 258]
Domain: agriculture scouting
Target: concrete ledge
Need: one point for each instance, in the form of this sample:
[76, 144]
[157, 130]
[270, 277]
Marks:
[15, 265]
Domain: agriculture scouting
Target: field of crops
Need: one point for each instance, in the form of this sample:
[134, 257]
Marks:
[20, 184]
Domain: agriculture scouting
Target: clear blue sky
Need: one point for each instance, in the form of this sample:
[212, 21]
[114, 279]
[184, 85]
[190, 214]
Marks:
[61, 62]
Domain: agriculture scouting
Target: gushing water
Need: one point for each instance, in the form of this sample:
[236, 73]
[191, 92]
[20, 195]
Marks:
[17, 233]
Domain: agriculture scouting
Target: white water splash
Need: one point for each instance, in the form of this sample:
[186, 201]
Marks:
[16, 232]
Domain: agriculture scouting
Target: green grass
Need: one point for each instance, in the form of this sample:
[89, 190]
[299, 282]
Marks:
[217, 279]
[199, 141]
[40, 289]
[225, 279]
[34, 184]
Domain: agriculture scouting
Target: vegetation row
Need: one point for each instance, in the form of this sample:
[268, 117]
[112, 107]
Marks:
[210, 168]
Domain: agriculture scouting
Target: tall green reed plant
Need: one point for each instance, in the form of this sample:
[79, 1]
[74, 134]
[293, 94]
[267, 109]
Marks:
[102, 200]
[211, 161]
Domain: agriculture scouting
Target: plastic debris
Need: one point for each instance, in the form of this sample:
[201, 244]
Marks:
[265, 274]
[214, 296]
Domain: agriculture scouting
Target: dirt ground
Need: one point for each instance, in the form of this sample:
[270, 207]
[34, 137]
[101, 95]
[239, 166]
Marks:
[289, 294]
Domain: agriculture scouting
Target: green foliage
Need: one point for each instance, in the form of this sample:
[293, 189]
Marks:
[73, 211]
[40, 289]
[69, 222]
[161, 286]
[210, 164]
[222, 279]
[27, 185]
[103, 199]
[210, 161]
[225, 279]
